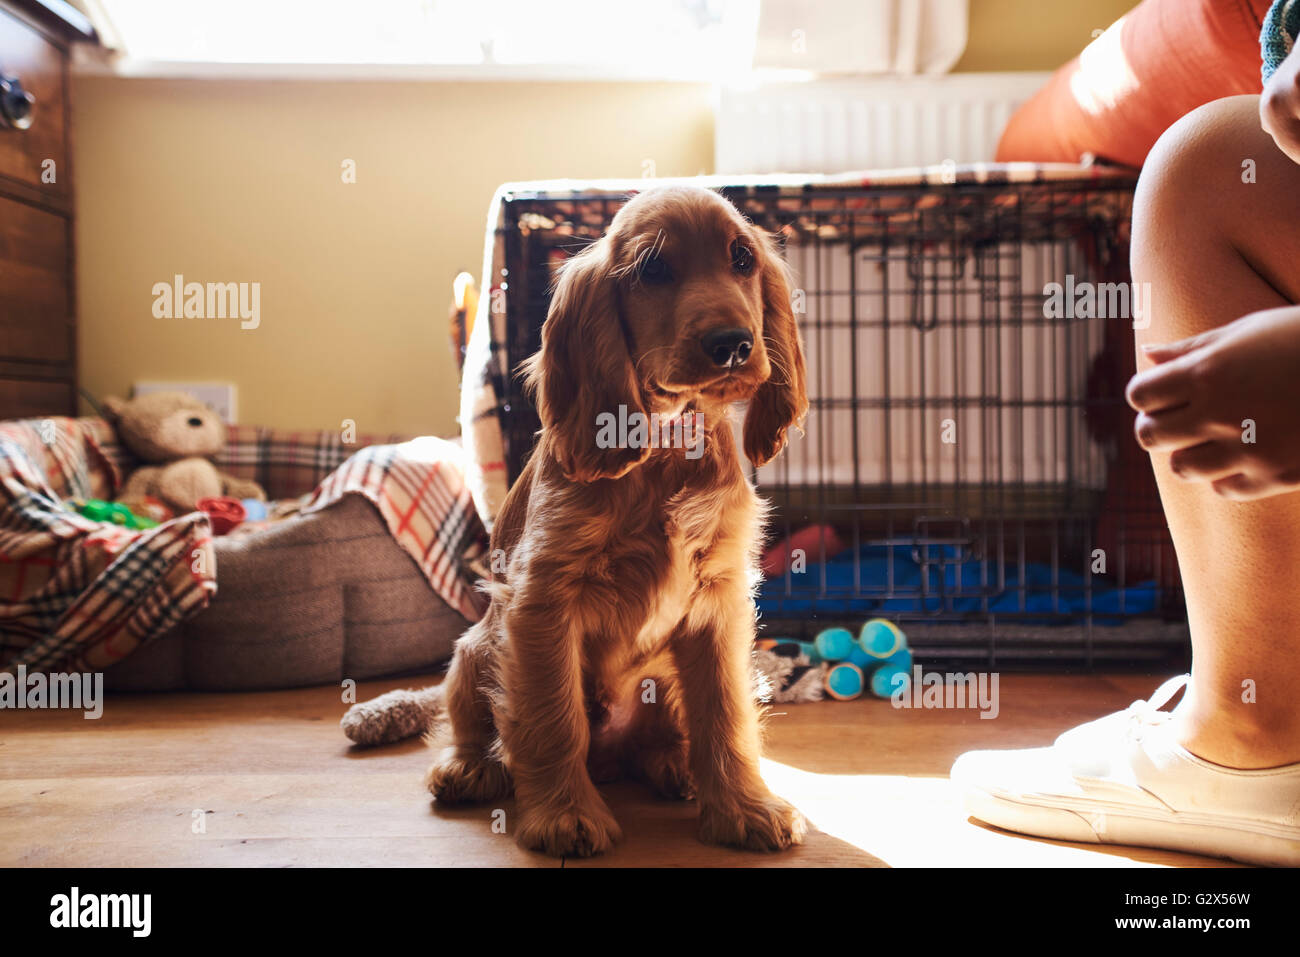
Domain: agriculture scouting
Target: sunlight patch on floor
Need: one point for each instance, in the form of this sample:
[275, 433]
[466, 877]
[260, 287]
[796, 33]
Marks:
[918, 822]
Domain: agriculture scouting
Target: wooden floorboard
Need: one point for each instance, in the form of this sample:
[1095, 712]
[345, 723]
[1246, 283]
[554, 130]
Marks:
[269, 780]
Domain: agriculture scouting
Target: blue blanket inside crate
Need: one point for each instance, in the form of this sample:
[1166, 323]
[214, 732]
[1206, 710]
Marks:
[947, 584]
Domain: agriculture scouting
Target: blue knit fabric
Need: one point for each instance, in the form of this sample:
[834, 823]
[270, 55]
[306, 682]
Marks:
[1281, 27]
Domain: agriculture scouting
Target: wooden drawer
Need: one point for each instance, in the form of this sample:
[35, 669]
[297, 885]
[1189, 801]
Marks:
[32, 398]
[36, 322]
[40, 65]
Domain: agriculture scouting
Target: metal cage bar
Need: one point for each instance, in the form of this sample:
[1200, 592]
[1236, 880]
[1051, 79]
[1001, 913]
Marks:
[1035, 536]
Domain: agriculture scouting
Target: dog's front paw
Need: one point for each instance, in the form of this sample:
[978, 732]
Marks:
[758, 822]
[457, 779]
[569, 830]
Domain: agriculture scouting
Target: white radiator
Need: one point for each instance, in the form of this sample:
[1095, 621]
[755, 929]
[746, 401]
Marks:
[829, 126]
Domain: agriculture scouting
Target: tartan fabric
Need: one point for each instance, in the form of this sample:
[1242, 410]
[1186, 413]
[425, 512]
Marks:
[78, 595]
[419, 488]
[289, 464]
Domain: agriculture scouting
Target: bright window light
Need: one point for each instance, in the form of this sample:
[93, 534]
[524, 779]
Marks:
[668, 38]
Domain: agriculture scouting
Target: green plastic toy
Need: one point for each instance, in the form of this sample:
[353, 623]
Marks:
[97, 510]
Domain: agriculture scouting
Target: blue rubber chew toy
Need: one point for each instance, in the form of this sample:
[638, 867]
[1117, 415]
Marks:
[878, 659]
[887, 679]
[902, 658]
[884, 645]
[860, 658]
[832, 644]
[880, 638]
[845, 681]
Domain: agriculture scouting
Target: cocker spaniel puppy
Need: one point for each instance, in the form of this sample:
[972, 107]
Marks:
[619, 637]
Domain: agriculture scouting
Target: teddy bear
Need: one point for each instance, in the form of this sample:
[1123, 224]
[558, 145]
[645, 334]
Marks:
[175, 435]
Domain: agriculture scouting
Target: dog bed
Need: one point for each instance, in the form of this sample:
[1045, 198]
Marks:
[371, 573]
[310, 600]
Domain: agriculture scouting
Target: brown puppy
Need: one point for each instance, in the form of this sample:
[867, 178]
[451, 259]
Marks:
[620, 636]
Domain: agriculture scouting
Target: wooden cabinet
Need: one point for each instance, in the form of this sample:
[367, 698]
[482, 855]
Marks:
[38, 361]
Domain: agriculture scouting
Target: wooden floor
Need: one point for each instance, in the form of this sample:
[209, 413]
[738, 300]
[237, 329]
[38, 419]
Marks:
[268, 779]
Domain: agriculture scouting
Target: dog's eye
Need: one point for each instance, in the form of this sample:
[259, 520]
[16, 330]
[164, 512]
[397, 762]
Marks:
[742, 258]
[653, 270]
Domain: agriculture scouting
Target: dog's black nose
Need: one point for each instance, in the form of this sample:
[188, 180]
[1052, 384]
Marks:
[728, 348]
[195, 421]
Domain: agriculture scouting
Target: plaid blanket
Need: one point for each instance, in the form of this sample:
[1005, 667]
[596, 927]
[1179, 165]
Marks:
[79, 595]
[419, 488]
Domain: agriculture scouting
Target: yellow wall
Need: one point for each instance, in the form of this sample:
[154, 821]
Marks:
[240, 182]
[1033, 34]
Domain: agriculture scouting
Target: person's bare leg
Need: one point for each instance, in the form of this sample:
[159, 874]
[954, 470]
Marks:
[1214, 248]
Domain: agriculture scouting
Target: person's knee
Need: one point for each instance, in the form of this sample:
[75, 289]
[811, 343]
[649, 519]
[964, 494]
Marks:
[1214, 185]
[1215, 137]
[1201, 170]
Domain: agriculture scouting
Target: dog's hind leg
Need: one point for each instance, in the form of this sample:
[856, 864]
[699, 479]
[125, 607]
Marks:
[656, 749]
[470, 769]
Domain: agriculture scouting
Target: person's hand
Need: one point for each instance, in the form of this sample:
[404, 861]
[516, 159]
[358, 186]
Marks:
[1226, 405]
[1279, 107]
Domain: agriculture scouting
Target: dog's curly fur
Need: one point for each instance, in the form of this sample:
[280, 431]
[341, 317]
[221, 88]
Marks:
[619, 637]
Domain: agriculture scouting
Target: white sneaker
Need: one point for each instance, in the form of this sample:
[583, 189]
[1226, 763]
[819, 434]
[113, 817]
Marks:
[1124, 780]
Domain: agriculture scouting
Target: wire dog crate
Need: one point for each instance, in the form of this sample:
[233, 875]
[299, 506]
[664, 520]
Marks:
[968, 469]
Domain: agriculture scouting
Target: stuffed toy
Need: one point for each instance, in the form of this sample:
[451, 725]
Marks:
[175, 435]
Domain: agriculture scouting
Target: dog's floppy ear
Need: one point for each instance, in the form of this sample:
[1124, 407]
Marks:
[584, 370]
[781, 401]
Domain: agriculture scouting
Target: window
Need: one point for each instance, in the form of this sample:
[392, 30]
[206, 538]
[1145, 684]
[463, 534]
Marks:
[671, 39]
